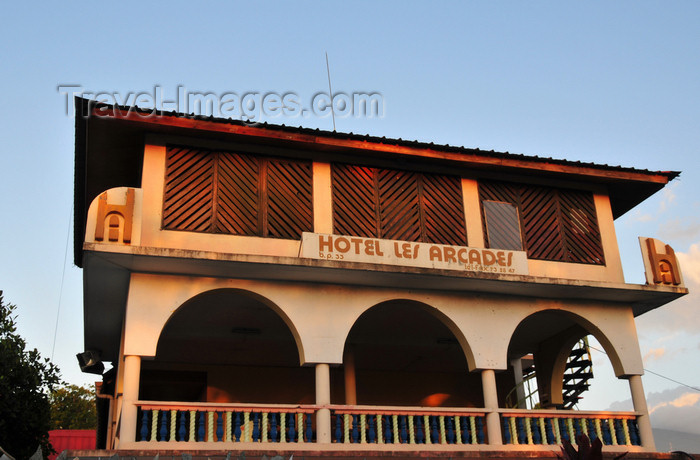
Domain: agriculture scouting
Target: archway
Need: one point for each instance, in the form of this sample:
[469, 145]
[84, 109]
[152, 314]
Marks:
[549, 360]
[402, 353]
[227, 345]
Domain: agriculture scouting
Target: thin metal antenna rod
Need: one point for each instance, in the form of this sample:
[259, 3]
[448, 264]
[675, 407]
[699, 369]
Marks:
[63, 278]
[330, 91]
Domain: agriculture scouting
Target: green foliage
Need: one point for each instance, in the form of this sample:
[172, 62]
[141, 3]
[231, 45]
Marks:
[73, 408]
[25, 383]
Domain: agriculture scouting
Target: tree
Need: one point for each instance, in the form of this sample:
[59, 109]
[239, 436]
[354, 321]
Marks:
[26, 381]
[73, 408]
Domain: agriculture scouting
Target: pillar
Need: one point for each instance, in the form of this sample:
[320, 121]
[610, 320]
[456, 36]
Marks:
[132, 375]
[493, 426]
[323, 398]
[350, 381]
[517, 364]
[639, 402]
[472, 213]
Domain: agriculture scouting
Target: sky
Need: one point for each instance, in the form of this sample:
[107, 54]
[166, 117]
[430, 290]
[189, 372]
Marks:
[612, 83]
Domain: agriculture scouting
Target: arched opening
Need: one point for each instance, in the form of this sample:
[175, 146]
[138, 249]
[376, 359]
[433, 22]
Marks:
[549, 360]
[402, 353]
[227, 345]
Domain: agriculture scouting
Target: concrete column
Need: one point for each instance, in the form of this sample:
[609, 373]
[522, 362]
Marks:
[472, 213]
[350, 382]
[517, 364]
[132, 375]
[323, 198]
[323, 398]
[640, 405]
[493, 425]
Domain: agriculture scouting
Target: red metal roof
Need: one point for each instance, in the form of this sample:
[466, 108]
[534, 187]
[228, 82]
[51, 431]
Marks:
[72, 440]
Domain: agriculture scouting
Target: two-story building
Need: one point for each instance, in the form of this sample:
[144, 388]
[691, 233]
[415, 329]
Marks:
[275, 289]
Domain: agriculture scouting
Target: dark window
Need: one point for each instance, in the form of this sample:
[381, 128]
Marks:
[555, 224]
[238, 194]
[397, 205]
[502, 225]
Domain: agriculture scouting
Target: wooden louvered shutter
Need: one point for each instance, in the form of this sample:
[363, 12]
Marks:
[289, 199]
[443, 210]
[580, 225]
[541, 226]
[558, 224]
[499, 191]
[189, 189]
[398, 205]
[238, 202]
[355, 201]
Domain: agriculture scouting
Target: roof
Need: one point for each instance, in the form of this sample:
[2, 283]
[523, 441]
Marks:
[110, 138]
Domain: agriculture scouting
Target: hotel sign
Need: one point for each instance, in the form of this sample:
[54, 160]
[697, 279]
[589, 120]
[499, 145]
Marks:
[408, 254]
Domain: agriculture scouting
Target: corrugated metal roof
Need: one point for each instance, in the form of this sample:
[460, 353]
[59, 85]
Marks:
[384, 140]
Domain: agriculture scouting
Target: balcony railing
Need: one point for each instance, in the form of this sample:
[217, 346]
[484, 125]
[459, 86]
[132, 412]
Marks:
[404, 425]
[211, 423]
[551, 427]
[257, 423]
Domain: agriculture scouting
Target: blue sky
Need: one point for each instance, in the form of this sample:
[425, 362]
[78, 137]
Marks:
[614, 83]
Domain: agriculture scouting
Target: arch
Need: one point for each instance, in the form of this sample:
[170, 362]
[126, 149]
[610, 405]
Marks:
[227, 345]
[305, 308]
[437, 313]
[403, 352]
[245, 293]
[554, 344]
[612, 326]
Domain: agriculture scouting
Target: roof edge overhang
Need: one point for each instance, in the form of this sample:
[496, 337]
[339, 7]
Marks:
[627, 186]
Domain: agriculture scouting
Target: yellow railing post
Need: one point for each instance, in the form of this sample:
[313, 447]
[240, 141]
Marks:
[154, 424]
[613, 435]
[283, 426]
[173, 424]
[458, 430]
[543, 430]
[472, 428]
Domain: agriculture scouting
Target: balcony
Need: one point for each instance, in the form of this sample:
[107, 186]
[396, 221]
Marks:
[226, 375]
[173, 425]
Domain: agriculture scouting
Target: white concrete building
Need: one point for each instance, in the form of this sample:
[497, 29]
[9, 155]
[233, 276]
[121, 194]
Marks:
[266, 288]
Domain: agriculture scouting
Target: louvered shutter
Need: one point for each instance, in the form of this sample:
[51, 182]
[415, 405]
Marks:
[398, 205]
[355, 201]
[189, 181]
[581, 232]
[541, 227]
[558, 224]
[442, 209]
[238, 201]
[239, 194]
[289, 198]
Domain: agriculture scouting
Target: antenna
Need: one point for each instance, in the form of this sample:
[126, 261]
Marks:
[330, 91]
